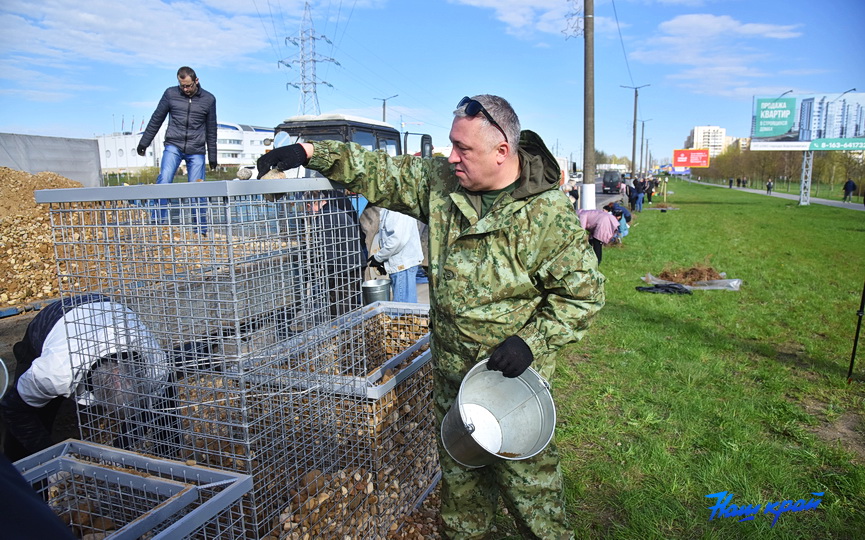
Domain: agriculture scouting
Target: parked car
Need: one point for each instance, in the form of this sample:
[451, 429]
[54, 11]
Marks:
[612, 182]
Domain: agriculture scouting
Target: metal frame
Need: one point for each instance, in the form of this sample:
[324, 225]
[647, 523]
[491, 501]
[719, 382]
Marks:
[142, 494]
[254, 353]
[805, 185]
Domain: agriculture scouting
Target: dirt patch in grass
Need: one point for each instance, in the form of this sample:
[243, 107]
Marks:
[848, 430]
[689, 276]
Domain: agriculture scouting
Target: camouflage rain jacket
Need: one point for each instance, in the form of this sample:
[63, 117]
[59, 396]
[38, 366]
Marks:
[525, 268]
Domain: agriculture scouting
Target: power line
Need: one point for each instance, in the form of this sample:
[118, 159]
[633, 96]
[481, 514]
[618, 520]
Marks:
[273, 42]
[622, 41]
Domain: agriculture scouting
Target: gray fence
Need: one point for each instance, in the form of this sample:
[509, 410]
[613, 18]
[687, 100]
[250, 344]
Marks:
[76, 159]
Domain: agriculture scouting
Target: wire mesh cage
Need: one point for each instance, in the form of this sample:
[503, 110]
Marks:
[231, 334]
[103, 492]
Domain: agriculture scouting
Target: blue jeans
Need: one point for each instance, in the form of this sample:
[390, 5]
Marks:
[404, 285]
[623, 227]
[171, 159]
[639, 205]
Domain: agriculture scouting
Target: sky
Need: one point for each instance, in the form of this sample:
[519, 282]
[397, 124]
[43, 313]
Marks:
[84, 69]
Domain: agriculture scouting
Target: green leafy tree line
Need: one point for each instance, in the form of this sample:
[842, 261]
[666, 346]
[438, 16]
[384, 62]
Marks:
[829, 168]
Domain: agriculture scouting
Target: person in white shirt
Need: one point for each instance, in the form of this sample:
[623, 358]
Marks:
[86, 347]
[400, 254]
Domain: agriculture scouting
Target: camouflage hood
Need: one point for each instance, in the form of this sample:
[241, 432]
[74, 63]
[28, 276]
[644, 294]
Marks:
[539, 170]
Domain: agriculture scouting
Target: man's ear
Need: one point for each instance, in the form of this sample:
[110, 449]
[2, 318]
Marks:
[503, 150]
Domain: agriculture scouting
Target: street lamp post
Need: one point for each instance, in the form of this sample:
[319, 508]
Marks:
[384, 106]
[636, 90]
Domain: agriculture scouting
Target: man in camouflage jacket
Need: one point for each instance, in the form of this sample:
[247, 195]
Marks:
[512, 279]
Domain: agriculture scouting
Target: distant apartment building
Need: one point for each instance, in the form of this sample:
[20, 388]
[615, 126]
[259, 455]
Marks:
[712, 137]
[236, 145]
[742, 143]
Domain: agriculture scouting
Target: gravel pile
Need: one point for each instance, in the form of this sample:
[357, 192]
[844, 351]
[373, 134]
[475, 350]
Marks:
[28, 270]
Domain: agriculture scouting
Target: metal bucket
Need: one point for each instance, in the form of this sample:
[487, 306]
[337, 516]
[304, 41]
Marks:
[495, 417]
[375, 290]
[4, 378]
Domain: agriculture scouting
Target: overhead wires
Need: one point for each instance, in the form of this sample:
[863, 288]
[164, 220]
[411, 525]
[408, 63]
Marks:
[622, 41]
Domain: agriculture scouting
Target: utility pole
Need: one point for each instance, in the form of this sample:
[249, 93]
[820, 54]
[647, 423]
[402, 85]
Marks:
[644, 156]
[642, 141]
[384, 106]
[587, 193]
[584, 23]
[636, 90]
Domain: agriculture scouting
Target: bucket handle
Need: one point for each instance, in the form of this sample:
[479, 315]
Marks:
[543, 382]
[470, 428]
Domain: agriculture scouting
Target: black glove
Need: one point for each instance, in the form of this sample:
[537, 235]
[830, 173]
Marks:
[213, 165]
[372, 262]
[512, 357]
[141, 150]
[283, 158]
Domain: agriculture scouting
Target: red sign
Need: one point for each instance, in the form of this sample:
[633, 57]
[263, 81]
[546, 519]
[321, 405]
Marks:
[691, 158]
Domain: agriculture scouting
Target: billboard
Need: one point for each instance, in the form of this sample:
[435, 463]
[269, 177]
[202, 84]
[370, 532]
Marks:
[809, 122]
[691, 158]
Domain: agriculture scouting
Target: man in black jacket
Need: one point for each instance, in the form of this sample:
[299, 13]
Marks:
[191, 124]
[191, 112]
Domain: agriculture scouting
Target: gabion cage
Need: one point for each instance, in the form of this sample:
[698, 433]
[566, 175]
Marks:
[249, 349]
[103, 492]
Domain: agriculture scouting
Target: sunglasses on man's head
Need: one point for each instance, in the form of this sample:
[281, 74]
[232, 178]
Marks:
[473, 107]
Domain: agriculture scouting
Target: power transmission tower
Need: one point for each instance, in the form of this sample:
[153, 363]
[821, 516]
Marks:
[308, 59]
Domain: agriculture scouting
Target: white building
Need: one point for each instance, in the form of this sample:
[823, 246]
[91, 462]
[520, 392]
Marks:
[236, 145]
[712, 137]
[743, 143]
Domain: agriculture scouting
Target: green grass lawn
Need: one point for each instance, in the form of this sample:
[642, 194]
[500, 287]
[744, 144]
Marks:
[670, 398]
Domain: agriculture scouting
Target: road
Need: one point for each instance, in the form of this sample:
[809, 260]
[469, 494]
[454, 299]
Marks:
[602, 198]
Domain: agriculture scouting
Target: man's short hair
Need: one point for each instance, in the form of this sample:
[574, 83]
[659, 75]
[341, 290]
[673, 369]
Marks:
[502, 113]
[185, 72]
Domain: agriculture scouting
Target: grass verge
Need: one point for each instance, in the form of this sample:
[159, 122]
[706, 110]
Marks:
[670, 398]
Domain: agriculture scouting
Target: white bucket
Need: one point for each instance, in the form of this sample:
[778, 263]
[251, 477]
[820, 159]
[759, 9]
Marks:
[495, 417]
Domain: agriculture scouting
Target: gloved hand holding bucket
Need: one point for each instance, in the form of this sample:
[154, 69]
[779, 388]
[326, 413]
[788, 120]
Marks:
[496, 417]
